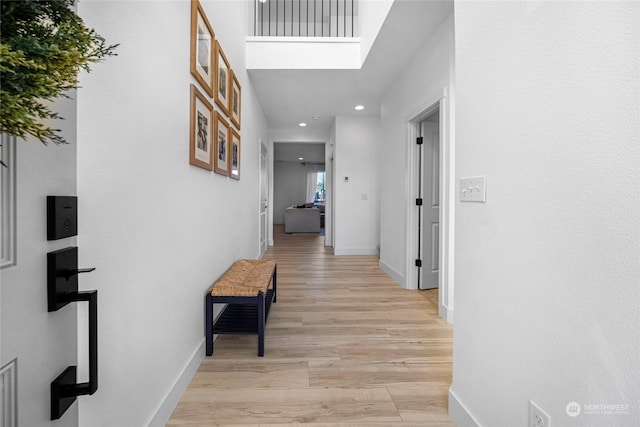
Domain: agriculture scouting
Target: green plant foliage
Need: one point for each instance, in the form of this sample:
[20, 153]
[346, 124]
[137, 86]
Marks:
[43, 45]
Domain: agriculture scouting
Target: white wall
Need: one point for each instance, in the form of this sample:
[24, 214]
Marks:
[422, 83]
[302, 53]
[357, 202]
[159, 230]
[372, 16]
[289, 188]
[547, 270]
[43, 343]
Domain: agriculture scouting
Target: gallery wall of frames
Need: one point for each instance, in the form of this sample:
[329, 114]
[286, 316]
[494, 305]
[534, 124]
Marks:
[214, 132]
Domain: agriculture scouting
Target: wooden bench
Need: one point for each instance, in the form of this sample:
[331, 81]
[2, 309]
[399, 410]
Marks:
[245, 289]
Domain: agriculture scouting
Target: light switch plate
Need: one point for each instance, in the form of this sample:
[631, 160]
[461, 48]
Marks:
[473, 189]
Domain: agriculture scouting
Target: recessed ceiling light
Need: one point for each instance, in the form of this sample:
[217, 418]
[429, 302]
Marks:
[300, 158]
[302, 124]
[315, 117]
[359, 107]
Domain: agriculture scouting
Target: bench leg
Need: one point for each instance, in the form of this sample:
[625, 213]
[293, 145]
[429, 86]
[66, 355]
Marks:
[261, 324]
[208, 318]
[275, 287]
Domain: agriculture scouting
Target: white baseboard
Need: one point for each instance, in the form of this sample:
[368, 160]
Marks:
[391, 272]
[355, 251]
[172, 398]
[446, 313]
[459, 413]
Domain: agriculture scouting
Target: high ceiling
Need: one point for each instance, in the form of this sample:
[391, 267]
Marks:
[289, 97]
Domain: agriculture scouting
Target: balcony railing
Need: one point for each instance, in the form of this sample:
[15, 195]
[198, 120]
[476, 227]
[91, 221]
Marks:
[305, 18]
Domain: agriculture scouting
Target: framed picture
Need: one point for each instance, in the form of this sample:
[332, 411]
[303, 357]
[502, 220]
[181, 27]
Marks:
[234, 155]
[201, 131]
[223, 77]
[221, 159]
[235, 100]
[202, 48]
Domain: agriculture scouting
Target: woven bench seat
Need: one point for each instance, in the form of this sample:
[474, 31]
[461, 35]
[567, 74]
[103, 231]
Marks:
[244, 288]
[244, 279]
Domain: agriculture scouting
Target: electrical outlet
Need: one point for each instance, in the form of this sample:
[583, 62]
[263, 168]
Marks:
[537, 417]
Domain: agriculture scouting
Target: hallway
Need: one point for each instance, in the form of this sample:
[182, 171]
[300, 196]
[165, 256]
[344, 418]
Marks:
[344, 345]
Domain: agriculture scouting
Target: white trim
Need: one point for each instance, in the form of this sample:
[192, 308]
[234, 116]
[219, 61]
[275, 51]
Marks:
[271, 166]
[447, 205]
[459, 413]
[172, 398]
[263, 151]
[391, 272]
[413, 125]
[9, 394]
[411, 274]
[8, 252]
[447, 202]
[445, 312]
[355, 251]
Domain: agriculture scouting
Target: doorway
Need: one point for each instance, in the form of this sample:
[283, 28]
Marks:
[300, 178]
[424, 213]
[264, 199]
[429, 209]
[430, 188]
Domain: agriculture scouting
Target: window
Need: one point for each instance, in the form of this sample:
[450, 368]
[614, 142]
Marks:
[320, 193]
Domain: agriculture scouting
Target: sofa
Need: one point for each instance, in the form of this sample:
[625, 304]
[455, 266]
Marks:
[302, 220]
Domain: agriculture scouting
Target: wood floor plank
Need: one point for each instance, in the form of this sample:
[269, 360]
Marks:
[288, 405]
[421, 401]
[345, 345]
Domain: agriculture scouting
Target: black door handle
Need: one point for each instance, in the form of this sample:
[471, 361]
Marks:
[65, 389]
[62, 285]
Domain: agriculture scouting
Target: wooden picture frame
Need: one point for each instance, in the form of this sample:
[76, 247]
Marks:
[202, 48]
[223, 79]
[235, 100]
[222, 137]
[201, 125]
[234, 154]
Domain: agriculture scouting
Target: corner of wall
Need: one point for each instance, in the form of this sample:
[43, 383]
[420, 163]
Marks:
[394, 274]
[459, 413]
[163, 412]
[446, 313]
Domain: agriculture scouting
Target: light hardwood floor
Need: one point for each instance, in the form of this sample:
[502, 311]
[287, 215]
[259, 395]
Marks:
[345, 345]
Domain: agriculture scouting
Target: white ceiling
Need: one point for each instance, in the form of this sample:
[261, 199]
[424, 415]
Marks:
[289, 97]
[291, 152]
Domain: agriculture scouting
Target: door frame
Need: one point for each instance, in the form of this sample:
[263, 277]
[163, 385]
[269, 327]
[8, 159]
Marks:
[328, 190]
[447, 203]
[263, 150]
[427, 203]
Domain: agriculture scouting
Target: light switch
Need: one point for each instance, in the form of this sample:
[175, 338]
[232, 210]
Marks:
[473, 189]
[364, 196]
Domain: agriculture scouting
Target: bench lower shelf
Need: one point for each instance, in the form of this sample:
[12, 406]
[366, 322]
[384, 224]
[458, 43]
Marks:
[239, 319]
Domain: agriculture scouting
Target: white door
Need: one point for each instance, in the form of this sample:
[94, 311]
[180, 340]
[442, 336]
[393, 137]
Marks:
[264, 199]
[36, 345]
[430, 204]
